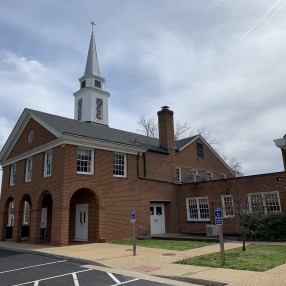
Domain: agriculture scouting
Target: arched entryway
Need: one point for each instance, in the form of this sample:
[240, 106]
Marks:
[84, 216]
[24, 219]
[46, 209]
[8, 218]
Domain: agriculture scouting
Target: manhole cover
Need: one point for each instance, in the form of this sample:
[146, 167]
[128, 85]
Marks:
[169, 254]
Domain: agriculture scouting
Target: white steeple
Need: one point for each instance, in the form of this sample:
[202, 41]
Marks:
[91, 101]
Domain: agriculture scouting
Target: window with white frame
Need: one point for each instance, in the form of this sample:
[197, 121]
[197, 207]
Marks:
[194, 172]
[264, 203]
[26, 213]
[210, 176]
[179, 174]
[198, 209]
[119, 165]
[79, 109]
[12, 175]
[48, 164]
[227, 206]
[29, 165]
[84, 161]
[222, 176]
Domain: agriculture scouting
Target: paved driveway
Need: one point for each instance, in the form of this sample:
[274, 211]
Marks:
[18, 268]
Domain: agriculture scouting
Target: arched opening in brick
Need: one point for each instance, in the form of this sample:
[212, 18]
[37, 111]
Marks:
[84, 216]
[24, 219]
[8, 219]
[45, 207]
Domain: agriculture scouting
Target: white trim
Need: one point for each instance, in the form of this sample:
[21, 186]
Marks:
[263, 200]
[46, 165]
[223, 206]
[125, 166]
[18, 130]
[29, 172]
[77, 141]
[13, 171]
[198, 208]
[178, 174]
[91, 162]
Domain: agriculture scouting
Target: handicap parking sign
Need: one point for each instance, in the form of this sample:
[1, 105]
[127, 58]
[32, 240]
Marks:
[132, 216]
[218, 217]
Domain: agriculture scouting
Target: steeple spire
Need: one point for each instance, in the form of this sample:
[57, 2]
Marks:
[92, 67]
[91, 100]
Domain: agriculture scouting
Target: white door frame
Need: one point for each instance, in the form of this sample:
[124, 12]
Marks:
[81, 222]
[157, 218]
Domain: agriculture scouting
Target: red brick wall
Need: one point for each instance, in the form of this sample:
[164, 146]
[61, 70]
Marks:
[187, 159]
[41, 136]
[238, 188]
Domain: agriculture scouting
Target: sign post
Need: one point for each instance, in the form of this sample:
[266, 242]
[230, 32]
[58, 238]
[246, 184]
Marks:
[219, 222]
[133, 232]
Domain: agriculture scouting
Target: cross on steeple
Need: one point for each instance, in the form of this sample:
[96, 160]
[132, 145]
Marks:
[92, 24]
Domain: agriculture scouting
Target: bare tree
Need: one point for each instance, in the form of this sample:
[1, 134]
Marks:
[148, 126]
[234, 164]
[181, 129]
[206, 134]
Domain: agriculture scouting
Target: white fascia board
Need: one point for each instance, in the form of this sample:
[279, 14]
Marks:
[195, 138]
[216, 154]
[281, 143]
[33, 152]
[18, 129]
[92, 89]
[102, 145]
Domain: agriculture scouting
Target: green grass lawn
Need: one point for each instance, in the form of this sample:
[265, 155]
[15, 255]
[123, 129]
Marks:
[165, 244]
[255, 258]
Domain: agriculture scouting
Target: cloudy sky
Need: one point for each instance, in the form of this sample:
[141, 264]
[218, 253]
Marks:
[217, 63]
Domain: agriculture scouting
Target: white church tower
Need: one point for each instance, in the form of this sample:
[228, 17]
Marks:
[91, 101]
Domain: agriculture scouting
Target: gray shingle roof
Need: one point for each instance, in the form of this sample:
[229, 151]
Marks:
[65, 125]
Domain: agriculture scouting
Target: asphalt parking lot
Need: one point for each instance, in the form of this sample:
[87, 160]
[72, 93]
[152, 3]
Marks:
[20, 268]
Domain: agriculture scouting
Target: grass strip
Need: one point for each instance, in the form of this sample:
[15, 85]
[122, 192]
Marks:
[165, 244]
[255, 258]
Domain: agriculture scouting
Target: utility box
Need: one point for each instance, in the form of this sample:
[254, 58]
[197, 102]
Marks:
[212, 230]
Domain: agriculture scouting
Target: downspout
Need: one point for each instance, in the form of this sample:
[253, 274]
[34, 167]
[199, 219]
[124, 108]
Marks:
[176, 205]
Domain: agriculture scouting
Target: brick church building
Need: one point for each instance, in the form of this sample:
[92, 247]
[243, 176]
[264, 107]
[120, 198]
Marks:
[78, 179]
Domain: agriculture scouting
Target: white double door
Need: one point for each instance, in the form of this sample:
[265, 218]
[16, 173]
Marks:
[81, 222]
[157, 218]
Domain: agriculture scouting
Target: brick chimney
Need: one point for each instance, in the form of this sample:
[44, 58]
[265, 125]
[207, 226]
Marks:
[166, 128]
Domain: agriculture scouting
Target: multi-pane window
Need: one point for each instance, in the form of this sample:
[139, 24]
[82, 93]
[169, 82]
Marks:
[198, 209]
[48, 164]
[264, 203]
[222, 176]
[26, 213]
[119, 165]
[84, 161]
[210, 175]
[194, 172]
[29, 164]
[99, 109]
[227, 206]
[79, 109]
[200, 150]
[178, 174]
[13, 175]
[97, 83]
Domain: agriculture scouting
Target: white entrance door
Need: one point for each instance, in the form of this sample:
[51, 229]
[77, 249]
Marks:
[157, 218]
[81, 222]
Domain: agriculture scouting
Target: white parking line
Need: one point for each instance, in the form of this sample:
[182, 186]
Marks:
[75, 279]
[113, 278]
[71, 273]
[36, 283]
[126, 282]
[38, 265]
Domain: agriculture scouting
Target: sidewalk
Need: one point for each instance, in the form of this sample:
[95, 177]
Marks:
[160, 262]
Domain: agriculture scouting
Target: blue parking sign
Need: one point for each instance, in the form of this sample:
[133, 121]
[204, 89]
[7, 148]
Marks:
[218, 217]
[132, 216]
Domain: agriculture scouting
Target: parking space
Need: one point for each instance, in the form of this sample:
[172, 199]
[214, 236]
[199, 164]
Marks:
[19, 268]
